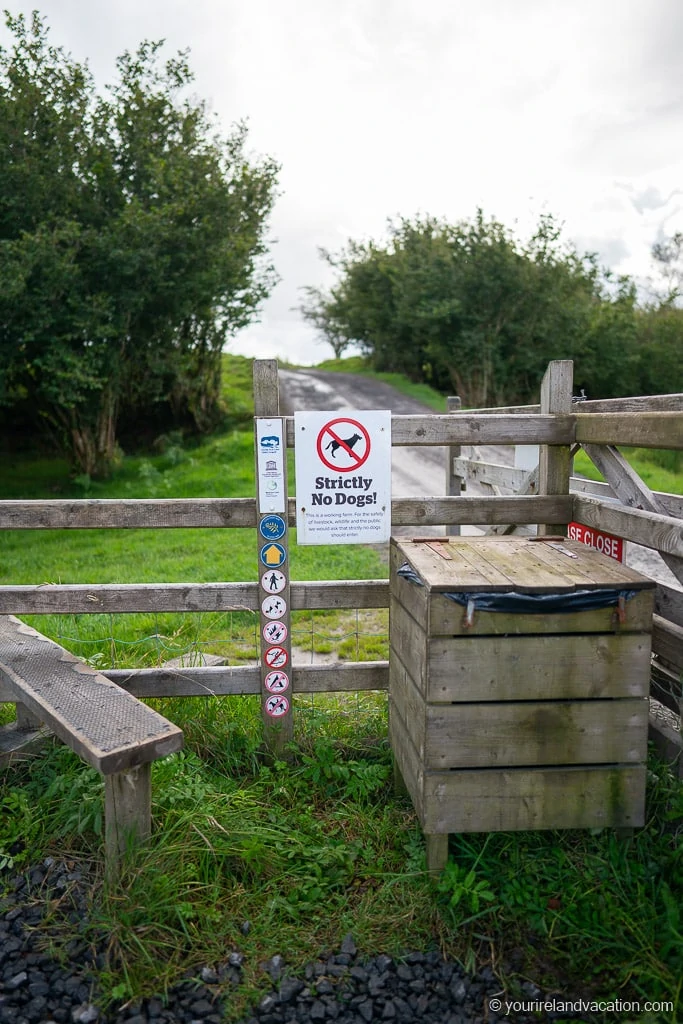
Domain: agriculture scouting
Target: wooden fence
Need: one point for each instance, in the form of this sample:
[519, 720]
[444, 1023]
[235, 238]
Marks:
[652, 520]
[623, 505]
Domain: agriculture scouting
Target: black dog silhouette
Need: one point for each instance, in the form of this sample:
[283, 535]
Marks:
[348, 441]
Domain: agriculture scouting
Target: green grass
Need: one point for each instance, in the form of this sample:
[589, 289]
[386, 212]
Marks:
[311, 848]
[420, 392]
[221, 466]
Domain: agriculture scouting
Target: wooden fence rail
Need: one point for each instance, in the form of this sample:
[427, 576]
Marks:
[622, 505]
[654, 421]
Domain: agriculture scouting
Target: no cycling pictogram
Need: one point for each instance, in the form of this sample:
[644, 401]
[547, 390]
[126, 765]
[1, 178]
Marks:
[343, 445]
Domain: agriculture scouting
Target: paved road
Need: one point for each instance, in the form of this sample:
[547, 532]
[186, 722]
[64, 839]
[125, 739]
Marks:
[415, 471]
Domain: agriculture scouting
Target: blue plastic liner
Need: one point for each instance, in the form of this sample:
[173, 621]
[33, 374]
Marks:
[529, 604]
[408, 573]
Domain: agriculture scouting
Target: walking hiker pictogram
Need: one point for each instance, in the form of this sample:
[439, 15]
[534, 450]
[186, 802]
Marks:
[273, 582]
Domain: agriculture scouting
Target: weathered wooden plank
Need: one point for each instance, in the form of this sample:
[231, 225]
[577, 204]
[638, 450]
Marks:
[637, 429]
[666, 686]
[566, 666]
[465, 428]
[107, 727]
[590, 568]
[554, 465]
[245, 679]
[630, 489]
[663, 533]
[127, 814]
[405, 755]
[453, 480]
[667, 642]
[266, 387]
[435, 511]
[490, 800]
[641, 403]
[492, 473]
[668, 744]
[409, 703]
[672, 504]
[436, 853]
[127, 514]
[241, 512]
[18, 745]
[510, 563]
[535, 733]
[519, 562]
[479, 430]
[520, 731]
[669, 603]
[408, 645]
[340, 594]
[83, 599]
[96, 598]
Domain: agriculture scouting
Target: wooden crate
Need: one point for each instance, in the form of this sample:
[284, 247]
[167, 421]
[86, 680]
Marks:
[511, 720]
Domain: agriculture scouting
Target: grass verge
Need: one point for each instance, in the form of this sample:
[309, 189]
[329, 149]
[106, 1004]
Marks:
[308, 850]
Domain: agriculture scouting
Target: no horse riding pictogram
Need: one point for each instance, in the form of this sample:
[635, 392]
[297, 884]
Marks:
[343, 445]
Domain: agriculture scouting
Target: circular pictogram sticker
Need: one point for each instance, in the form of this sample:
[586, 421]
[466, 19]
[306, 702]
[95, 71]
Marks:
[272, 527]
[276, 657]
[273, 555]
[276, 682]
[273, 607]
[273, 581]
[275, 632]
[343, 445]
[276, 706]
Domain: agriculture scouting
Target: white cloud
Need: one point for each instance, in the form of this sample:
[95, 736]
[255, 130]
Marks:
[396, 107]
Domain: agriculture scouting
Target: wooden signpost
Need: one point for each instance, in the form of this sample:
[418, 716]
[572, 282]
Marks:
[273, 559]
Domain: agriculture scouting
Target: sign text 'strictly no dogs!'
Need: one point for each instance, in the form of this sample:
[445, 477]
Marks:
[343, 477]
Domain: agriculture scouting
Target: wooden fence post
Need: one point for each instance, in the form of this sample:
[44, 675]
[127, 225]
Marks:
[273, 559]
[555, 462]
[453, 482]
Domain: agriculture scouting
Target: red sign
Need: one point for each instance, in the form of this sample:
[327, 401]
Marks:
[343, 445]
[604, 542]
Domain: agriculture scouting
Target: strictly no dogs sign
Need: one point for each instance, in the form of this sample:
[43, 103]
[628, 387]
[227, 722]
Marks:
[343, 477]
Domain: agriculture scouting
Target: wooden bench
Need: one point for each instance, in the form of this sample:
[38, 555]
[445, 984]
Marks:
[111, 730]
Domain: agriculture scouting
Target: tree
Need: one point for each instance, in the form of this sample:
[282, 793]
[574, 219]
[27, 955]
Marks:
[668, 257]
[131, 243]
[469, 309]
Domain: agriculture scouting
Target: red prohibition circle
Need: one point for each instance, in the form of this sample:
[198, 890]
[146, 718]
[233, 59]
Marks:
[276, 657]
[340, 442]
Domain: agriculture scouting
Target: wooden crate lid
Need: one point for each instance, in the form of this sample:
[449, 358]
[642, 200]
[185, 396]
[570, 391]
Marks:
[523, 564]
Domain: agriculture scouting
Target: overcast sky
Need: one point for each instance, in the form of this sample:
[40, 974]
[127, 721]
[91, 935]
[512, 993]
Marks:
[379, 108]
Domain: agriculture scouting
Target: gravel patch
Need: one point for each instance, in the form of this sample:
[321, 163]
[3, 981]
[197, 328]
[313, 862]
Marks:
[346, 988]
